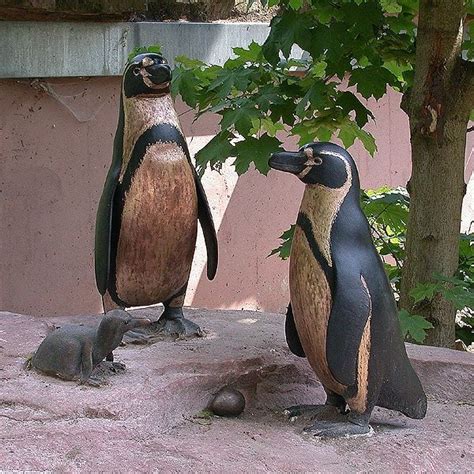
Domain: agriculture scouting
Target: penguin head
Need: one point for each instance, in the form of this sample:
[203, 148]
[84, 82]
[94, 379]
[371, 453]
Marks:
[147, 74]
[322, 163]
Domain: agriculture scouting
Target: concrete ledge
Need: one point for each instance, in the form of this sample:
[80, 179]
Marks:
[144, 420]
[65, 49]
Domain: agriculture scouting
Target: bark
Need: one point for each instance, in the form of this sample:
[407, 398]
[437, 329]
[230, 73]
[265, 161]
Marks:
[438, 108]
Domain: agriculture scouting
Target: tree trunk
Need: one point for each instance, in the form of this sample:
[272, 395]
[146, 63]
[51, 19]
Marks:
[438, 108]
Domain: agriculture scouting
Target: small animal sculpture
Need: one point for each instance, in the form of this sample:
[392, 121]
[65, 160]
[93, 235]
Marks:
[72, 352]
[152, 199]
[342, 315]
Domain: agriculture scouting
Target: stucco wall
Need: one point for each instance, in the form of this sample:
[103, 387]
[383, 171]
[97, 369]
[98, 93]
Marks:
[56, 140]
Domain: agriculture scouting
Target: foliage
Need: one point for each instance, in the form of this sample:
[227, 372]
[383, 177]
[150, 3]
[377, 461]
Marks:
[387, 210]
[153, 48]
[283, 250]
[297, 81]
[413, 325]
[387, 213]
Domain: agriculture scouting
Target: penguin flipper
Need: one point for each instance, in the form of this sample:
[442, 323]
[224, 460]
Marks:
[208, 229]
[104, 224]
[292, 338]
[349, 314]
[103, 231]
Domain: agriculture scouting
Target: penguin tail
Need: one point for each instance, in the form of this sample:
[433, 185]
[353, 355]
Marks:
[402, 390]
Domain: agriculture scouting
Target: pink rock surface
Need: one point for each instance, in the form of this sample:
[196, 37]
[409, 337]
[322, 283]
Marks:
[144, 419]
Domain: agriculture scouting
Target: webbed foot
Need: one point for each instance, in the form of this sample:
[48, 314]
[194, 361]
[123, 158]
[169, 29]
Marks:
[117, 367]
[352, 424]
[337, 429]
[171, 325]
[105, 369]
[312, 412]
[93, 381]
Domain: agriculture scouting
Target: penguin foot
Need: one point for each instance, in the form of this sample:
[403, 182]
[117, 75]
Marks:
[116, 367]
[164, 328]
[337, 429]
[95, 382]
[105, 369]
[312, 412]
[179, 328]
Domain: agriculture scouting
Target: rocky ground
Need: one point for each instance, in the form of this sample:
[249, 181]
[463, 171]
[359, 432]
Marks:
[147, 418]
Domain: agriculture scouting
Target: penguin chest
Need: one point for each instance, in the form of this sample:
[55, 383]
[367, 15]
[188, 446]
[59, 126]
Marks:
[311, 301]
[158, 228]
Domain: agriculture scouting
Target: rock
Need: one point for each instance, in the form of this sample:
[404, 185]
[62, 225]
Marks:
[48, 424]
[227, 402]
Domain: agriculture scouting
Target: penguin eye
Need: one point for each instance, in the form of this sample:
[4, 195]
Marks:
[136, 71]
[318, 160]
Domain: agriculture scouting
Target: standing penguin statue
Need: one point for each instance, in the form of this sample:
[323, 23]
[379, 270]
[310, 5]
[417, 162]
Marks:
[342, 315]
[152, 199]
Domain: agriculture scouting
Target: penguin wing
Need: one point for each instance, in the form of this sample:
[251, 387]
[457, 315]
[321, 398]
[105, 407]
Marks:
[208, 229]
[292, 338]
[103, 230]
[349, 314]
[103, 225]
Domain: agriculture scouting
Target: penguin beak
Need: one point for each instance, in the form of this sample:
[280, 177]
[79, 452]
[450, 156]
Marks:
[290, 162]
[158, 74]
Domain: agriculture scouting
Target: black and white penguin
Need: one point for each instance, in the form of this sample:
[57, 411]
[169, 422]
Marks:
[342, 315]
[152, 199]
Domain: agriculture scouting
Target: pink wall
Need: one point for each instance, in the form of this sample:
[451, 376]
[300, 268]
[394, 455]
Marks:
[56, 140]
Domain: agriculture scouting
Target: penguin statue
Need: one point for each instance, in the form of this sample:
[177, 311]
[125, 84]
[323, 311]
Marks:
[72, 352]
[342, 315]
[152, 199]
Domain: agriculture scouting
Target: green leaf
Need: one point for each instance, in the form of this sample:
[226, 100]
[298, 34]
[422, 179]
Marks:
[187, 84]
[367, 140]
[256, 150]
[315, 97]
[424, 291]
[349, 102]
[295, 4]
[153, 48]
[266, 124]
[347, 134]
[215, 152]
[285, 247]
[286, 30]
[252, 54]
[310, 130]
[240, 119]
[189, 63]
[372, 81]
[319, 69]
[413, 325]
[391, 6]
